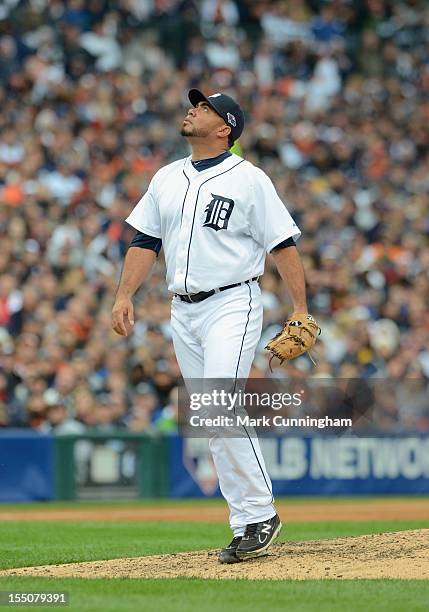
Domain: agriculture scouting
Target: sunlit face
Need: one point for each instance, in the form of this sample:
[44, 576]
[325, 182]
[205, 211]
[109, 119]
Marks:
[202, 121]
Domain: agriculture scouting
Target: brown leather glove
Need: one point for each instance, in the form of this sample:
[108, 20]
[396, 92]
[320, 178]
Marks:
[298, 335]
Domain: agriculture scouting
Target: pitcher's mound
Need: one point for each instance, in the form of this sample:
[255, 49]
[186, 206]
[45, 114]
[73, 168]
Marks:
[403, 554]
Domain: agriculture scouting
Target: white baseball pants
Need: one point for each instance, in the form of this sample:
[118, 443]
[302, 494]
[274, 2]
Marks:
[217, 338]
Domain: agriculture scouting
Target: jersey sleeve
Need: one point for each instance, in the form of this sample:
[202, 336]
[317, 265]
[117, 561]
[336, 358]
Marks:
[145, 215]
[270, 221]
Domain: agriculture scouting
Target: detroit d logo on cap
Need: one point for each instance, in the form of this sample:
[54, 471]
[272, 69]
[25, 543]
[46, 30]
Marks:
[218, 212]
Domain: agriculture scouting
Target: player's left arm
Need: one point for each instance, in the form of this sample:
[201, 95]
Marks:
[275, 230]
[290, 268]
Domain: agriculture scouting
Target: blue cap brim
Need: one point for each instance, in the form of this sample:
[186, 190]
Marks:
[195, 96]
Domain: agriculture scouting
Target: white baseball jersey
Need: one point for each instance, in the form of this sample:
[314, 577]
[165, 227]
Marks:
[216, 225]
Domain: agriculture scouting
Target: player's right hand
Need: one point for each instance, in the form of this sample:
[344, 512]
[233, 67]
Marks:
[122, 316]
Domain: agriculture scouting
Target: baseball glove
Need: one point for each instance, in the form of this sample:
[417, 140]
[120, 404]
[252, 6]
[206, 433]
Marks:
[298, 335]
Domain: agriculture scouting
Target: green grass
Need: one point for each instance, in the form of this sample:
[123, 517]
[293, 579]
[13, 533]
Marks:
[40, 543]
[26, 543]
[191, 595]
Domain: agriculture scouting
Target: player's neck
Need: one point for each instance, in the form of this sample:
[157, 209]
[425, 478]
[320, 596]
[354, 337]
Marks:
[205, 151]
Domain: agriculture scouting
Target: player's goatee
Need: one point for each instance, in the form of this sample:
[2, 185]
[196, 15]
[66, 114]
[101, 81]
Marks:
[189, 130]
[186, 131]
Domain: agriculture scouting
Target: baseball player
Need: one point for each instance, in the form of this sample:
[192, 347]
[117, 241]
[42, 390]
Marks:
[216, 215]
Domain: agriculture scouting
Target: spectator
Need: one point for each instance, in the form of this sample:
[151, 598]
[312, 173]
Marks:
[92, 97]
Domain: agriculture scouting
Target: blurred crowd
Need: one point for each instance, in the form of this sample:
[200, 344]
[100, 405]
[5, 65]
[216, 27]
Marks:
[93, 94]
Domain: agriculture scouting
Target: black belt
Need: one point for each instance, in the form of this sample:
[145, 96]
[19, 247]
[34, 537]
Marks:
[203, 295]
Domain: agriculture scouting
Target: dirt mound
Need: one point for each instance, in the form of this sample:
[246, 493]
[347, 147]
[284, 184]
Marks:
[403, 554]
[315, 510]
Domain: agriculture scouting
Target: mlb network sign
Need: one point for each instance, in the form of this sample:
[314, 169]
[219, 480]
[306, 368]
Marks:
[348, 464]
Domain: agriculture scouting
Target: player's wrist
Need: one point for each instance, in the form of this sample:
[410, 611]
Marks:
[303, 310]
[123, 297]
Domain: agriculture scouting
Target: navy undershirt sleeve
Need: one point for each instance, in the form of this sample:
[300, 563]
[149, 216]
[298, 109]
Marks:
[283, 245]
[144, 241]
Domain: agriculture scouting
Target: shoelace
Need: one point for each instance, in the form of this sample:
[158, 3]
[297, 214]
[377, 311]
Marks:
[235, 542]
[251, 530]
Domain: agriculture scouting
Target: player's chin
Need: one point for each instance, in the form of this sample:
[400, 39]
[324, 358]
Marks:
[186, 130]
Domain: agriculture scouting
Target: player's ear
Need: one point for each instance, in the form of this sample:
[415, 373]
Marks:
[224, 131]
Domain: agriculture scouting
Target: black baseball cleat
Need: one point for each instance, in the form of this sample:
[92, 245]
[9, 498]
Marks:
[227, 555]
[258, 537]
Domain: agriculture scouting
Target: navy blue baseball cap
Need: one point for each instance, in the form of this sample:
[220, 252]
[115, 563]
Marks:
[224, 106]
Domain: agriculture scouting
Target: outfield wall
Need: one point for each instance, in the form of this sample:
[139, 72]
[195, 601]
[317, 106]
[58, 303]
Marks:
[327, 465]
[35, 466]
[26, 466]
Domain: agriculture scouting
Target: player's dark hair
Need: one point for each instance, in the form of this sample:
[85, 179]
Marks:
[230, 141]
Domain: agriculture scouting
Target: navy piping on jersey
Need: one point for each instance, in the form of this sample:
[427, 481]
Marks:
[144, 241]
[186, 193]
[203, 164]
[195, 210]
[235, 385]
